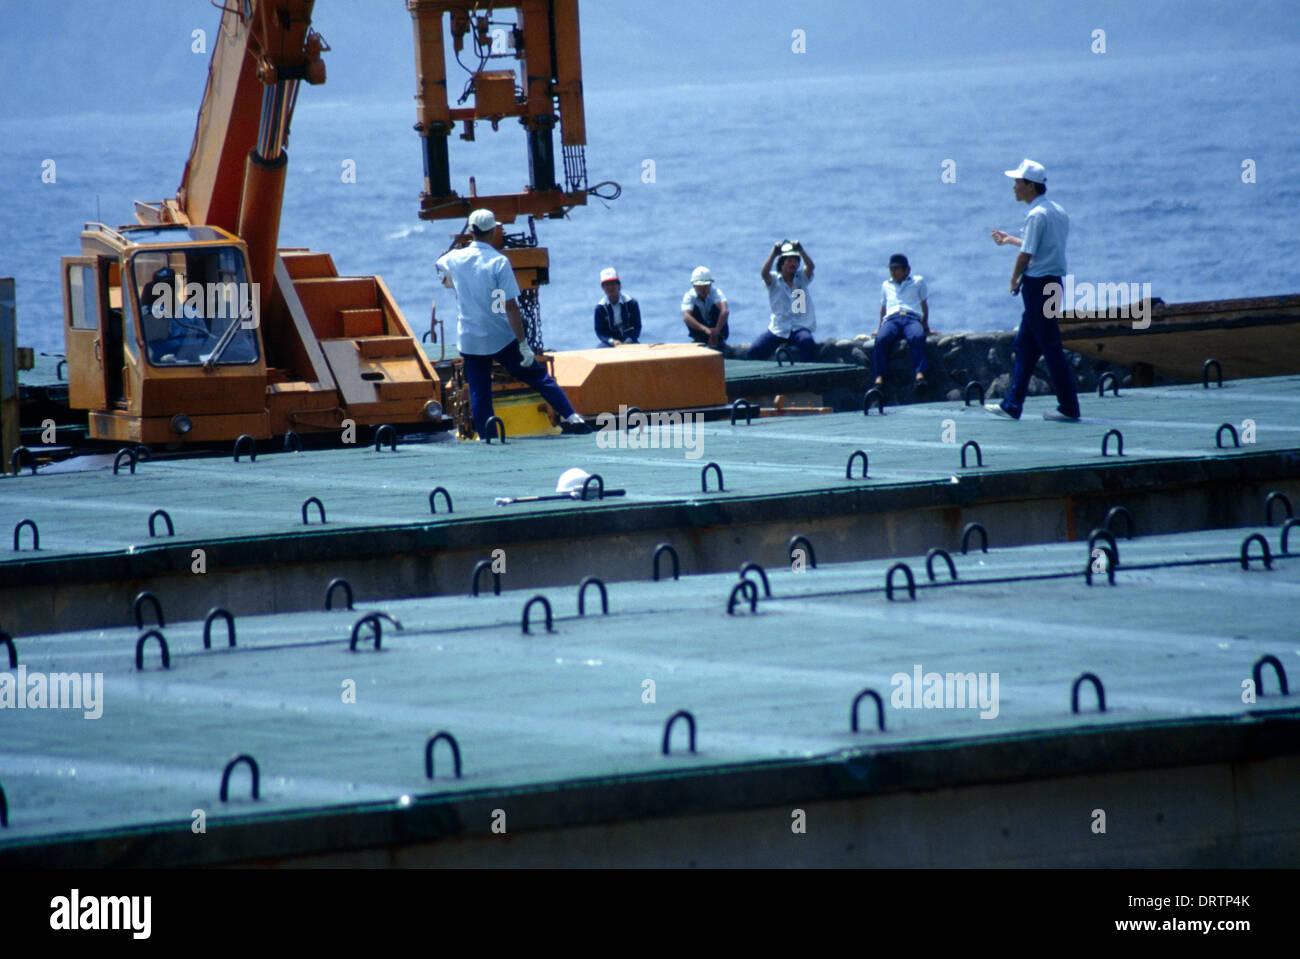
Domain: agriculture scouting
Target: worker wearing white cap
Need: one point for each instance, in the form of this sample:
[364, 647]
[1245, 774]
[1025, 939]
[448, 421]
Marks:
[489, 326]
[705, 310]
[618, 316]
[1036, 274]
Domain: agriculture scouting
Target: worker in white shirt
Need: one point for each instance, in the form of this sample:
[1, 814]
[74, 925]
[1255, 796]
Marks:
[489, 326]
[904, 312]
[1036, 276]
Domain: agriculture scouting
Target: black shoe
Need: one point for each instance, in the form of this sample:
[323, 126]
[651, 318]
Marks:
[575, 424]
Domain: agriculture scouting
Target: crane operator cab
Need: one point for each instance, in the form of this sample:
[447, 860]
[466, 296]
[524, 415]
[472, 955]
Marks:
[160, 315]
[190, 300]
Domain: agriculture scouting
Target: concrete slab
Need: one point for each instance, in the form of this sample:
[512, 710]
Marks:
[212, 497]
[1173, 640]
[241, 524]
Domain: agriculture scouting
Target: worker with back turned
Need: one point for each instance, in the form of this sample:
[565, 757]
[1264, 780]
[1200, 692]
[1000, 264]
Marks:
[489, 326]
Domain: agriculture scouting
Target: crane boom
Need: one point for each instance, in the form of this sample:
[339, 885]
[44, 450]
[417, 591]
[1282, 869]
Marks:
[234, 175]
[242, 77]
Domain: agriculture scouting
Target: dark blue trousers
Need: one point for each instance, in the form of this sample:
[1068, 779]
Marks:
[1039, 336]
[478, 374]
[800, 340]
[900, 325]
[712, 322]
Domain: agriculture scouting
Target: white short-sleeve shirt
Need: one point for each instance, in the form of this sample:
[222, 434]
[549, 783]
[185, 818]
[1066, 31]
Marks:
[715, 297]
[484, 281]
[792, 306]
[906, 296]
[1046, 228]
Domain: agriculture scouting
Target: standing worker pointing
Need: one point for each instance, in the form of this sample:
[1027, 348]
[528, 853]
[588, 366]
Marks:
[1036, 276]
[489, 326]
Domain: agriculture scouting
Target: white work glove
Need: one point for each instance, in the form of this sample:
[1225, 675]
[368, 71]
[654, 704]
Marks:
[526, 358]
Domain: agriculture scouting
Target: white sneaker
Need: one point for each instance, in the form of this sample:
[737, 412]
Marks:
[1059, 417]
[997, 410]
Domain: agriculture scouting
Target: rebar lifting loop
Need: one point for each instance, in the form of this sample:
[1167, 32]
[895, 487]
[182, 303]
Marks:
[743, 591]
[660, 550]
[528, 609]
[853, 457]
[218, 613]
[690, 727]
[1096, 684]
[704, 477]
[889, 581]
[880, 710]
[943, 554]
[802, 543]
[253, 770]
[582, 595]
[966, 534]
[338, 583]
[433, 740]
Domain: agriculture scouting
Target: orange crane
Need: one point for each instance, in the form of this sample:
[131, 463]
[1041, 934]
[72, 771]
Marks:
[192, 326]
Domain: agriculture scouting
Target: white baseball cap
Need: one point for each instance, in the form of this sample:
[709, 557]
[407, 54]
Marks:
[607, 274]
[483, 221]
[701, 276]
[1028, 170]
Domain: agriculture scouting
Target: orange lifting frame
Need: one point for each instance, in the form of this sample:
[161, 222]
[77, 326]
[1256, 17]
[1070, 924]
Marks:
[547, 43]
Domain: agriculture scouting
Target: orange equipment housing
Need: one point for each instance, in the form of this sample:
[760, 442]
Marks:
[656, 376]
[194, 326]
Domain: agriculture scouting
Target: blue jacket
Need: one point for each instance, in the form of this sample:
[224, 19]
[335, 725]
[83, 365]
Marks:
[630, 332]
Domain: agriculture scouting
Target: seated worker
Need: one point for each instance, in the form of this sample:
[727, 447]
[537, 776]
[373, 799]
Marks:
[173, 335]
[155, 296]
[903, 312]
[792, 319]
[705, 310]
[618, 317]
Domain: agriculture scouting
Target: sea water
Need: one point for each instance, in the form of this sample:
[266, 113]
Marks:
[1175, 171]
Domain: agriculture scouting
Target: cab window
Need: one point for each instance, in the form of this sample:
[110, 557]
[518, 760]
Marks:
[195, 306]
[83, 298]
